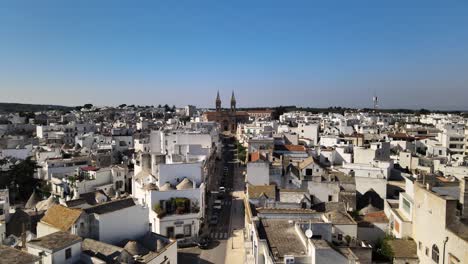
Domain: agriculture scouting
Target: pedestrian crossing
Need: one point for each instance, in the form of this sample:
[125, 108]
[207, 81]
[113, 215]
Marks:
[219, 235]
[228, 202]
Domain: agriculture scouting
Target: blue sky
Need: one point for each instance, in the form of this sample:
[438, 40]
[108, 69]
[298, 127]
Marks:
[412, 54]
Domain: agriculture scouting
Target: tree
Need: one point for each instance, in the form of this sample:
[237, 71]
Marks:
[88, 106]
[122, 105]
[20, 178]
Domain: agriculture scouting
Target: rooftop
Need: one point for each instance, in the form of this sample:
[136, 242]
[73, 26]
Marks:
[15, 256]
[111, 206]
[282, 238]
[61, 217]
[255, 191]
[403, 248]
[55, 241]
[340, 218]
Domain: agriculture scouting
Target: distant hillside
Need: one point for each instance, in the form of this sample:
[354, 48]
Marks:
[15, 107]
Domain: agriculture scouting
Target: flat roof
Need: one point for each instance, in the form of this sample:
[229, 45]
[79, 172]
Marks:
[55, 241]
[282, 238]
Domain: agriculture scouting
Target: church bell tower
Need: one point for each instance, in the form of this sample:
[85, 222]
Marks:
[218, 103]
[233, 102]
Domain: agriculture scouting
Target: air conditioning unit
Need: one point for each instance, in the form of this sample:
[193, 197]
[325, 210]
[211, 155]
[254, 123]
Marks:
[288, 259]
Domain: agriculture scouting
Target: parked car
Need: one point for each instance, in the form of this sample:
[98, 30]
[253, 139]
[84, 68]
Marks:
[214, 220]
[217, 207]
[186, 242]
[222, 189]
[204, 242]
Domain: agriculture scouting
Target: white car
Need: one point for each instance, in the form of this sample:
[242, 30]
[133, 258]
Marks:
[217, 207]
[222, 189]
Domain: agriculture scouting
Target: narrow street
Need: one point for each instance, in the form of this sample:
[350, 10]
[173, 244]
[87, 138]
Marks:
[230, 216]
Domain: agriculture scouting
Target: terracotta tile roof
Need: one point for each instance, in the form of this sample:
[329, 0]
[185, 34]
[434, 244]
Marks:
[286, 147]
[376, 217]
[254, 156]
[89, 168]
[61, 217]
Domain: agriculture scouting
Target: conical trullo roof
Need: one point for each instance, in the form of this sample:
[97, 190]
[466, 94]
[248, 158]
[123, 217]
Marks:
[134, 248]
[32, 201]
[185, 184]
[369, 209]
[166, 187]
[46, 204]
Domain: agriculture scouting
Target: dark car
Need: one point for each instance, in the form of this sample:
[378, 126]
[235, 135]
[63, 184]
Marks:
[214, 220]
[204, 242]
[186, 242]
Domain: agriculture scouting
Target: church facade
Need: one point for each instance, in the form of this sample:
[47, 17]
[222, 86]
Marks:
[226, 118]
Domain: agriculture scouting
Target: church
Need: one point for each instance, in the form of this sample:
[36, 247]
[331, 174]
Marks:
[226, 118]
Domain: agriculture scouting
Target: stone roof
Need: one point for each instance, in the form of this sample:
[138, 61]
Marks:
[285, 211]
[61, 217]
[185, 184]
[403, 248]
[256, 191]
[90, 198]
[166, 187]
[46, 204]
[14, 256]
[111, 206]
[55, 241]
[368, 209]
[293, 196]
[32, 201]
[330, 206]
[306, 162]
[135, 248]
[282, 238]
[107, 252]
[340, 218]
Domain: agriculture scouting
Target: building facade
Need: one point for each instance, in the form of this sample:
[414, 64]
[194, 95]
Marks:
[227, 119]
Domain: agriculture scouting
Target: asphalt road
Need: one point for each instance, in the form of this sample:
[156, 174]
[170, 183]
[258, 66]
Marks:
[220, 232]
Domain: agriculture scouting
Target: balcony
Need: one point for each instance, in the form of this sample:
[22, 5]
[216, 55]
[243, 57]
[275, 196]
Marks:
[176, 206]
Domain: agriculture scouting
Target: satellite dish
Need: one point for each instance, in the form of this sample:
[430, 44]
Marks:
[308, 233]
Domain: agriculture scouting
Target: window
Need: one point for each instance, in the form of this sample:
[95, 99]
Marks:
[68, 253]
[435, 254]
[420, 245]
[330, 198]
[406, 206]
[427, 251]
[187, 230]
[308, 172]
[340, 237]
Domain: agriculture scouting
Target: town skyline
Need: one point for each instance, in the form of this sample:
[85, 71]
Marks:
[308, 54]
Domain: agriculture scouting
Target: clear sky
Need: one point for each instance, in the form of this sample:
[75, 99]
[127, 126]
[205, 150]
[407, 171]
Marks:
[412, 54]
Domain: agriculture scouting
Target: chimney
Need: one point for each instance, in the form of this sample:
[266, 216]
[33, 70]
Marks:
[464, 197]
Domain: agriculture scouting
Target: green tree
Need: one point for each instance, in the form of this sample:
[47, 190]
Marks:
[20, 179]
